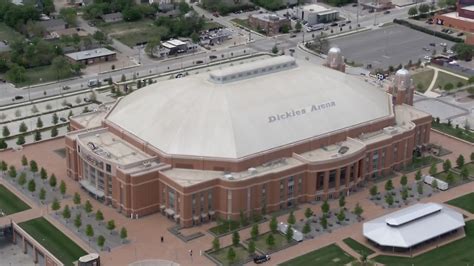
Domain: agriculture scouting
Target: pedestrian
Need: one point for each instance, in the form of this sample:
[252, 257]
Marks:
[191, 253]
[162, 239]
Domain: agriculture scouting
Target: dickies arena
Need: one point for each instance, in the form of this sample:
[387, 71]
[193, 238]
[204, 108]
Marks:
[255, 137]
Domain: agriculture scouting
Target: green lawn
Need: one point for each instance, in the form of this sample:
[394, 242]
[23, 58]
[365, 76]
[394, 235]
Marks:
[261, 243]
[458, 252]
[459, 133]
[9, 203]
[9, 34]
[445, 78]
[443, 175]
[358, 247]
[40, 75]
[131, 33]
[420, 162]
[327, 256]
[53, 240]
[423, 78]
[221, 254]
[225, 227]
[465, 202]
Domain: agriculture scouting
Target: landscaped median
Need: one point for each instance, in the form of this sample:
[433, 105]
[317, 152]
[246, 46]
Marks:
[55, 241]
[10, 203]
[331, 255]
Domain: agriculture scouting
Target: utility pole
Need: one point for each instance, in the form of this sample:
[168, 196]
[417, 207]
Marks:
[357, 19]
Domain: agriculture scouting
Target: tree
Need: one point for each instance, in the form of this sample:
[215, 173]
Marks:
[111, 225]
[88, 207]
[446, 165]
[358, 210]
[291, 218]
[373, 191]
[472, 156]
[52, 181]
[324, 222]
[231, 254]
[195, 37]
[418, 175]
[43, 174]
[54, 132]
[308, 213]
[251, 247]
[404, 193]
[463, 51]
[413, 11]
[419, 188]
[76, 198]
[150, 48]
[388, 185]
[66, 212]
[275, 49]
[3, 144]
[341, 216]
[423, 8]
[389, 199]
[433, 169]
[243, 219]
[89, 231]
[39, 123]
[42, 194]
[235, 238]
[123, 234]
[22, 179]
[403, 180]
[99, 216]
[33, 166]
[32, 185]
[306, 228]
[254, 232]
[342, 201]
[20, 140]
[62, 188]
[100, 37]
[460, 161]
[270, 240]
[101, 241]
[273, 224]
[298, 26]
[16, 73]
[5, 131]
[289, 233]
[23, 128]
[55, 205]
[450, 177]
[78, 221]
[434, 184]
[464, 172]
[11, 171]
[325, 207]
[55, 119]
[37, 135]
[3, 166]
[216, 244]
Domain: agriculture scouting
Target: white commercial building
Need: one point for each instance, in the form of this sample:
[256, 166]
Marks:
[413, 225]
[315, 14]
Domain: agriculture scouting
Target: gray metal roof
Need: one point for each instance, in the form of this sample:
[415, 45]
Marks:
[194, 116]
[52, 23]
[413, 225]
[89, 54]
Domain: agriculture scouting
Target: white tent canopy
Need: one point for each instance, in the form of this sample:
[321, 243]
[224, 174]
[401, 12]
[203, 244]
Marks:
[413, 225]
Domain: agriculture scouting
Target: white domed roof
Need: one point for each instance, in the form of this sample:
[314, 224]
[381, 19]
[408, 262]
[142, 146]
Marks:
[195, 116]
[402, 79]
[335, 50]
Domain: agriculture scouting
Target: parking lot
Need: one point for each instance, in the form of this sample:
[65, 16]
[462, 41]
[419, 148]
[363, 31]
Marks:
[388, 46]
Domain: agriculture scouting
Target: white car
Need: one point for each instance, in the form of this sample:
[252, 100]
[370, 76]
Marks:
[443, 44]
[450, 52]
[427, 57]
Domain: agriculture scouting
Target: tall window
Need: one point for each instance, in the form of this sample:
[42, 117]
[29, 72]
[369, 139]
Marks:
[193, 204]
[320, 181]
[171, 195]
[209, 200]
[332, 178]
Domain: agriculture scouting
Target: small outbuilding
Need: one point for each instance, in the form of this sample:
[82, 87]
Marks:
[112, 17]
[413, 226]
[93, 56]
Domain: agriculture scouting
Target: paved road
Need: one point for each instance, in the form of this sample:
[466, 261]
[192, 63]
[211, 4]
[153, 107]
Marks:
[391, 45]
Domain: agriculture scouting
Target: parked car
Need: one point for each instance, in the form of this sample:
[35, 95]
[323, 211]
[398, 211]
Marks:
[292, 35]
[212, 57]
[334, 24]
[62, 119]
[426, 49]
[18, 97]
[450, 52]
[427, 57]
[65, 88]
[460, 34]
[179, 75]
[261, 259]
[199, 62]
[432, 44]
[87, 100]
[386, 12]
[443, 44]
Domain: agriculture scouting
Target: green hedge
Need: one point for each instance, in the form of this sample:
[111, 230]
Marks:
[428, 31]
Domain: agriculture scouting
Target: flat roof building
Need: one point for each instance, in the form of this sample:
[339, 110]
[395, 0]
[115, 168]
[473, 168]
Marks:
[412, 226]
[93, 56]
[462, 18]
[269, 134]
[315, 14]
[271, 24]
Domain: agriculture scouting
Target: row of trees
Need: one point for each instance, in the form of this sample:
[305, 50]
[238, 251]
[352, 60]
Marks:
[21, 138]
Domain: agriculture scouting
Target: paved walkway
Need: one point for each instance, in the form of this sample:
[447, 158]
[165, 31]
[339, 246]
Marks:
[145, 233]
[429, 92]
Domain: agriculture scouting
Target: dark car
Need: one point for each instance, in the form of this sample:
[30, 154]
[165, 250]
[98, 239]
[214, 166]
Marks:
[87, 100]
[199, 62]
[386, 12]
[432, 44]
[261, 259]
[63, 119]
[18, 97]
[460, 34]
[65, 88]
[212, 57]
[334, 24]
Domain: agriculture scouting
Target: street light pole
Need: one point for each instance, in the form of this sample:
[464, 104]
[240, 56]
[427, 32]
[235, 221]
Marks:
[357, 19]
